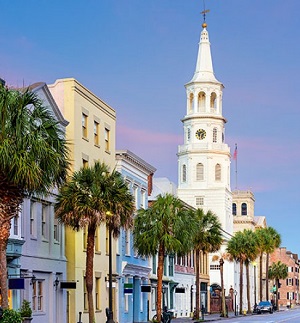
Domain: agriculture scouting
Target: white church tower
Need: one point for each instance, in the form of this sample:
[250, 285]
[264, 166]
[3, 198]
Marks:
[204, 157]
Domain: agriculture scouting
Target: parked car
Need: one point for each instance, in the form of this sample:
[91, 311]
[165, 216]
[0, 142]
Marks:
[264, 306]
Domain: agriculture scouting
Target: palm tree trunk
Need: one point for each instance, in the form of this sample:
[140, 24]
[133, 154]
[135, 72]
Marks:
[4, 235]
[277, 286]
[160, 268]
[89, 270]
[224, 312]
[267, 277]
[241, 286]
[197, 283]
[248, 287]
[260, 277]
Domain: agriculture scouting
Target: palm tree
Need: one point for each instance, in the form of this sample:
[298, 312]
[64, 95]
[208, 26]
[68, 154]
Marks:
[208, 238]
[250, 255]
[274, 241]
[237, 249]
[164, 228]
[33, 159]
[278, 271]
[91, 197]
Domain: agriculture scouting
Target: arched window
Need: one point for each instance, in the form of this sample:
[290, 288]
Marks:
[213, 101]
[233, 208]
[215, 134]
[191, 99]
[244, 209]
[218, 172]
[199, 172]
[184, 173]
[201, 101]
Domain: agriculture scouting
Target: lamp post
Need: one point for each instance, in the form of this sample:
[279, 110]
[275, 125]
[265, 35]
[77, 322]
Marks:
[254, 264]
[109, 311]
[235, 293]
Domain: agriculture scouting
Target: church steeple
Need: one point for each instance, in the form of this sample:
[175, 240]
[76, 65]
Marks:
[204, 68]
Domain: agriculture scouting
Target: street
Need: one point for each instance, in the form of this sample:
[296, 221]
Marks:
[286, 315]
[281, 316]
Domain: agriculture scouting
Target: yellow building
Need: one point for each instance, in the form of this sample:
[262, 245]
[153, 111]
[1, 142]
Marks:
[91, 134]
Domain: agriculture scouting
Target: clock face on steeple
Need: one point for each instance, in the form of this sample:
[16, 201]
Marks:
[200, 134]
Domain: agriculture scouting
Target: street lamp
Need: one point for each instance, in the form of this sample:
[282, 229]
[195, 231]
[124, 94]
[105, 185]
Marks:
[109, 311]
[235, 293]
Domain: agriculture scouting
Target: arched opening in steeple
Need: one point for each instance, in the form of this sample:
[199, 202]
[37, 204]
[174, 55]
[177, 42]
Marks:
[244, 209]
[213, 102]
[201, 102]
[233, 208]
[190, 103]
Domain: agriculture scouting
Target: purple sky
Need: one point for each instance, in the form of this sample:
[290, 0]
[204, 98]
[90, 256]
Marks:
[137, 55]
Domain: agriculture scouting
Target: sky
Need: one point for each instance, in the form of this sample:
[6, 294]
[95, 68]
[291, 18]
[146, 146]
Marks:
[137, 55]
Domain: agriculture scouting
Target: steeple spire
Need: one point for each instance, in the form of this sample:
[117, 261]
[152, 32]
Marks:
[204, 68]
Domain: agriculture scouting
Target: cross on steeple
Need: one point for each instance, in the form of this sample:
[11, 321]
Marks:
[204, 12]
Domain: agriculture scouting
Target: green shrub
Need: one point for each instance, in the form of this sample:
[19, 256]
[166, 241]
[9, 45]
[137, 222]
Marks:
[25, 309]
[11, 316]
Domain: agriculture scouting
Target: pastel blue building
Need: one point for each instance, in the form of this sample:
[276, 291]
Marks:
[36, 249]
[133, 271]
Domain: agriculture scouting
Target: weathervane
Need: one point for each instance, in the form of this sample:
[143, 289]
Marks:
[204, 12]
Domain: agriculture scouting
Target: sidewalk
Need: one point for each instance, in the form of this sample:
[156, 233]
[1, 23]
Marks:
[207, 318]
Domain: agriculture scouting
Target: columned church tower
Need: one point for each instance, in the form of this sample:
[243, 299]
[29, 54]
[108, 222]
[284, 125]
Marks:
[204, 157]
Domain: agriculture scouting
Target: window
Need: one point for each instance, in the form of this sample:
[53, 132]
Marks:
[96, 133]
[199, 172]
[127, 242]
[97, 239]
[154, 265]
[56, 230]
[184, 173]
[32, 218]
[37, 296]
[233, 208]
[85, 296]
[215, 135]
[135, 195]
[97, 293]
[84, 123]
[171, 265]
[199, 200]
[45, 216]
[244, 209]
[16, 225]
[218, 172]
[106, 138]
[143, 199]
[85, 163]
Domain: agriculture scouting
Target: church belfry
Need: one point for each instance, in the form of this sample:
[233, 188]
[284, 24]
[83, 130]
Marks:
[204, 157]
